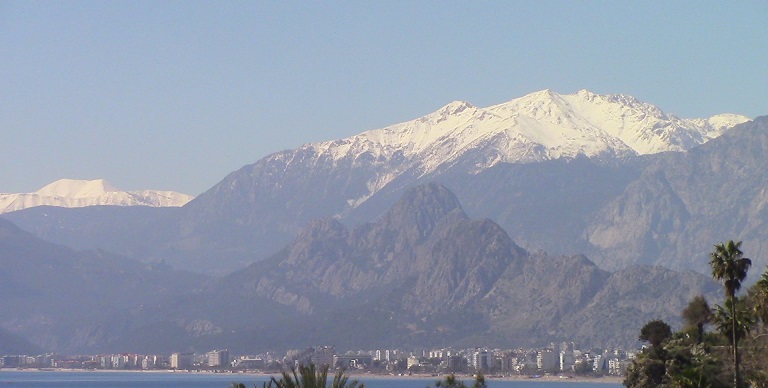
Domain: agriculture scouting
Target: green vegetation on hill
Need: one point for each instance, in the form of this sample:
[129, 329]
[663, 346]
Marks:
[733, 355]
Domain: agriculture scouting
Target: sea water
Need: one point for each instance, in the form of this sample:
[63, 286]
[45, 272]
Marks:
[97, 379]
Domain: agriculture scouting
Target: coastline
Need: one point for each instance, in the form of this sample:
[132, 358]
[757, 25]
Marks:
[353, 375]
[550, 379]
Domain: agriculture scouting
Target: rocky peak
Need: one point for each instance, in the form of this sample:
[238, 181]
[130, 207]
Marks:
[420, 209]
[323, 239]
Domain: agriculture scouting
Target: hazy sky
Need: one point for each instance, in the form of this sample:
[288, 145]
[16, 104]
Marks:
[175, 95]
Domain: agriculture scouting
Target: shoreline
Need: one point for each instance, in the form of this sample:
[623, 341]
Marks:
[361, 376]
[463, 376]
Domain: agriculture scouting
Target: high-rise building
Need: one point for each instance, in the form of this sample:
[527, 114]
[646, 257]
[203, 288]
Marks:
[181, 360]
[567, 360]
[547, 360]
[480, 359]
[218, 358]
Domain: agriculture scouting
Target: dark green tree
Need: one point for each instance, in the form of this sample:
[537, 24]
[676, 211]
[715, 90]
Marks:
[724, 320]
[697, 314]
[645, 372]
[760, 299]
[655, 332]
[450, 381]
[649, 369]
[583, 368]
[690, 364]
[730, 268]
[479, 381]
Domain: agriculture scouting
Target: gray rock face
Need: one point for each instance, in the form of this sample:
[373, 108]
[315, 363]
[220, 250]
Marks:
[424, 274]
[683, 204]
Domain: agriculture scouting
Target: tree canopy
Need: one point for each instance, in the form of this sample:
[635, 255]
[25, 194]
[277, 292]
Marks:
[711, 359]
[655, 332]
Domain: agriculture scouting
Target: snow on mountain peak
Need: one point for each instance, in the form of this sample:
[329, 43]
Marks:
[73, 188]
[455, 107]
[539, 126]
[81, 193]
[725, 121]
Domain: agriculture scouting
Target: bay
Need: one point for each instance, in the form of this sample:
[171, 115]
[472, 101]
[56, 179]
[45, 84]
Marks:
[99, 379]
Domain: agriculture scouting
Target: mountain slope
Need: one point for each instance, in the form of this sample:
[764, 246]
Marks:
[683, 204]
[544, 166]
[134, 231]
[81, 193]
[66, 301]
[257, 209]
[423, 274]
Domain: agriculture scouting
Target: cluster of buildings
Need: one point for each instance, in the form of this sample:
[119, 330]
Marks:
[212, 359]
[564, 358]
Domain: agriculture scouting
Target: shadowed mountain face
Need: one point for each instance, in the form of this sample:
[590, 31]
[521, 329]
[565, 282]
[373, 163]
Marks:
[425, 242]
[423, 274]
[683, 204]
[13, 344]
[61, 300]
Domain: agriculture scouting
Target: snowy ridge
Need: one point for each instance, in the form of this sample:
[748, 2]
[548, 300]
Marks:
[539, 126]
[71, 188]
[82, 193]
[536, 127]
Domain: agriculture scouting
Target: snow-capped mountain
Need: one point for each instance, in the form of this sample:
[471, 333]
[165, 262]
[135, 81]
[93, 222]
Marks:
[540, 165]
[540, 126]
[81, 193]
[497, 148]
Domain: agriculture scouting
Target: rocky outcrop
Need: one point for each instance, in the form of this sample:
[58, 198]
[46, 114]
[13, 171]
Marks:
[683, 204]
[425, 274]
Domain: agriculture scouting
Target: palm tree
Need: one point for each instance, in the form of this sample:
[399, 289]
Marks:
[760, 295]
[451, 381]
[723, 319]
[730, 268]
[697, 314]
[310, 377]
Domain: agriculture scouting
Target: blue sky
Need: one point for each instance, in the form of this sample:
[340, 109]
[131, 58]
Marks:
[174, 95]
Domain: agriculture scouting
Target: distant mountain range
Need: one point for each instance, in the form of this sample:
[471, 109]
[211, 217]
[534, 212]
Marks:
[54, 298]
[561, 173]
[81, 193]
[423, 274]
[561, 212]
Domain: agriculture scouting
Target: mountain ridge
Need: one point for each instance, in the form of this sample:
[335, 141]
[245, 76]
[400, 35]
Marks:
[551, 204]
[82, 193]
[422, 274]
[60, 299]
[624, 123]
[267, 198]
